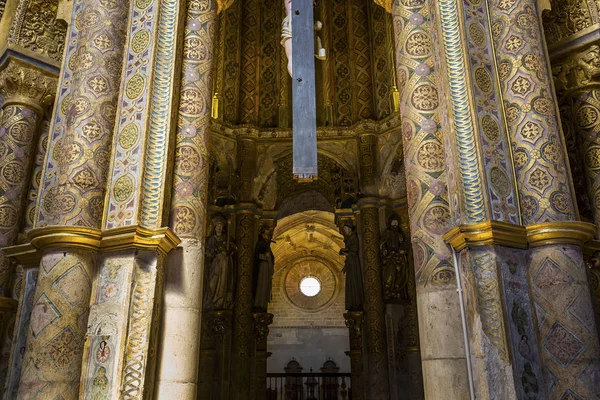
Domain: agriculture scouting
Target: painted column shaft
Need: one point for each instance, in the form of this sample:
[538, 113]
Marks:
[180, 342]
[557, 275]
[52, 363]
[72, 193]
[440, 330]
[27, 91]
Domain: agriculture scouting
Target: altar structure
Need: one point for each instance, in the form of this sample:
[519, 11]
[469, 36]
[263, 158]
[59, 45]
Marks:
[146, 170]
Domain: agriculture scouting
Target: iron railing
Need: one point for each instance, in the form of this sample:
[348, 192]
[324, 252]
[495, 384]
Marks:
[309, 386]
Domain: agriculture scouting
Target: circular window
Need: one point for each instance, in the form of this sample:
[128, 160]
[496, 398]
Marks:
[310, 286]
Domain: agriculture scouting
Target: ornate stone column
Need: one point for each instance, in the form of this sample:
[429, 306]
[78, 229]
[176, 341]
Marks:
[189, 201]
[441, 334]
[243, 327]
[354, 322]
[27, 91]
[72, 195]
[261, 333]
[245, 225]
[556, 271]
[375, 330]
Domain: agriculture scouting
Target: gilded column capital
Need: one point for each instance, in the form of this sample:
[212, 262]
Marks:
[578, 71]
[25, 84]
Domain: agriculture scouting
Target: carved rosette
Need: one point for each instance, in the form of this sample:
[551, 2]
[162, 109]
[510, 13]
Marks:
[27, 85]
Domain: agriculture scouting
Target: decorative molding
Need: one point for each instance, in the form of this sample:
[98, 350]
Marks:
[163, 240]
[24, 254]
[363, 127]
[571, 232]
[487, 233]
[496, 233]
[37, 30]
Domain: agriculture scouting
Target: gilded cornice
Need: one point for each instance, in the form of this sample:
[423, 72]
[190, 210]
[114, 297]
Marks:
[496, 233]
[162, 240]
[571, 232]
[26, 84]
[334, 133]
[24, 254]
[487, 233]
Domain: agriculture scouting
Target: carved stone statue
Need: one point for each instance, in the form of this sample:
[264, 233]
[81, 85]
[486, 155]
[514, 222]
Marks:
[395, 262]
[286, 36]
[352, 269]
[220, 267]
[264, 262]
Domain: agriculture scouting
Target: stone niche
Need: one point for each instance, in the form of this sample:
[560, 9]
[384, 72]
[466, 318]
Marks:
[310, 329]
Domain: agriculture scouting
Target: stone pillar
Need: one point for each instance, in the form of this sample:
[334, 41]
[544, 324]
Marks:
[27, 261]
[71, 200]
[261, 333]
[27, 91]
[354, 322]
[243, 327]
[179, 371]
[376, 340]
[440, 330]
[556, 271]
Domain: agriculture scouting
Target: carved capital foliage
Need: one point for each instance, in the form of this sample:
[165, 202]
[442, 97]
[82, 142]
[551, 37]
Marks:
[36, 28]
[23, 83]
[578, 70]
